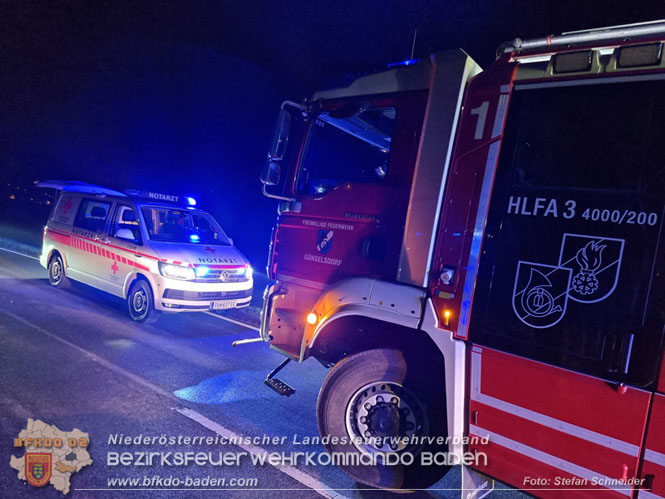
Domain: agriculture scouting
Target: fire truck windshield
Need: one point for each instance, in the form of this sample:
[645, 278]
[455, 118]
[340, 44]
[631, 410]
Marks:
[177, 225]
[354, 149]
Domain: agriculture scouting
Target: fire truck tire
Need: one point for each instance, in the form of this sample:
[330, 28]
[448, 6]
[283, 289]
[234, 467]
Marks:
[140, 302]
[56, 272]
[375, 393]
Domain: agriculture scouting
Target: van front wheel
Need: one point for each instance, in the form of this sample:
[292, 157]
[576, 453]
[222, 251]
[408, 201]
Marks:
[140, 302]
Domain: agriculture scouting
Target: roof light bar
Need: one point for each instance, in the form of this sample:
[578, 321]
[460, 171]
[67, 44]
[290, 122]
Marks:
[406, 62]
[163, 197]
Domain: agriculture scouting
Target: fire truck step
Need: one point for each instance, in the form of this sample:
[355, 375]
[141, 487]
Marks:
[278, 385]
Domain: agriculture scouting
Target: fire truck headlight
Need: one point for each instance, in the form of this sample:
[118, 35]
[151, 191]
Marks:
[446, 317]
[177, 271]
[312, 318]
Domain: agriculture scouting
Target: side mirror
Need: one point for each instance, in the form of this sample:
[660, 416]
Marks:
[125, 234]
[281, 137]
[271, 173]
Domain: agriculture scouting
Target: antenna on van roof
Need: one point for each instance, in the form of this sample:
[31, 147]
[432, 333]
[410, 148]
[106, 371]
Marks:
[413, 44]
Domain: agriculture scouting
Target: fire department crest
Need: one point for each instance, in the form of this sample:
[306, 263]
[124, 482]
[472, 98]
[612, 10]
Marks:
[324, 241]
[37, 468]
[587, 272]
[540, 295]
[595, 262]
[51, 455]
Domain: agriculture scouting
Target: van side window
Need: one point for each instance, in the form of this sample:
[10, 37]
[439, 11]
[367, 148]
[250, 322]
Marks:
[65, 208]
[126, 225]
[92, 215]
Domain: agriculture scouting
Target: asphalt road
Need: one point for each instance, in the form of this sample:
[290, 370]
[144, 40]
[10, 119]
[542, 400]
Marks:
[72, 358]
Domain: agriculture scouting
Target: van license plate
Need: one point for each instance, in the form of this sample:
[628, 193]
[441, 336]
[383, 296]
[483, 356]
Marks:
[221, 305]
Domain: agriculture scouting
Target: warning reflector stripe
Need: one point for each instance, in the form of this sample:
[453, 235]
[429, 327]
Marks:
[78, 243]
[59, 237]
[536, 417]
[546, 458]
[654, 457]
[645, 494]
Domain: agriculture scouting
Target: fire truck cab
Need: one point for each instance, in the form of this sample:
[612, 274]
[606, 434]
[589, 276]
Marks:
[477, 253]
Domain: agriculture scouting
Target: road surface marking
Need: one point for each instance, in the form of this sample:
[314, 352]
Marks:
[239, 323]
[294, 473]
[21, 254]
[95, 358]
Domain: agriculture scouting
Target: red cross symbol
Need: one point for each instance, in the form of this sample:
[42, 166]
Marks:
[68, 205]
[208, 248]
[114, 267]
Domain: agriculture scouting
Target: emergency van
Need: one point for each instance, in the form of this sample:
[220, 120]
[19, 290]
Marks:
[157, 251]
[477, 255]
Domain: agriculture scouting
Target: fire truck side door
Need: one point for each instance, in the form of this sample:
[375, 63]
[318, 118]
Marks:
[570, 272]
[352, 186]
[570, 293]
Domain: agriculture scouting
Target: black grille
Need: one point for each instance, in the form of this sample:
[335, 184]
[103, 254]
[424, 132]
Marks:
[176, 294]
[224, 275]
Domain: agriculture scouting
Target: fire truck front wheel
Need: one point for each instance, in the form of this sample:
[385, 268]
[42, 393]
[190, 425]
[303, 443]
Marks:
[56, 272]
[375, 409]
[140, 302]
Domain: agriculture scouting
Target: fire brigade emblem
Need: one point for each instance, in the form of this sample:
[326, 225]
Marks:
[595, 263]
[37, 468]
[324, 241]
[540, 295]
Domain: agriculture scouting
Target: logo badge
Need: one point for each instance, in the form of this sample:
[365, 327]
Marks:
[595, 263]
[324, 241]
[540, 295]
[37, 468]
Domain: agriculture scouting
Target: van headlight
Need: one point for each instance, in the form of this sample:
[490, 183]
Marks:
[177, 271]
[248, 271]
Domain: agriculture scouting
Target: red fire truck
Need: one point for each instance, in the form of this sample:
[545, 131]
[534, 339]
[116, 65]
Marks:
[476, 254]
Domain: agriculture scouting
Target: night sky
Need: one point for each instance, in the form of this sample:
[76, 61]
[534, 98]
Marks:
[181, 96]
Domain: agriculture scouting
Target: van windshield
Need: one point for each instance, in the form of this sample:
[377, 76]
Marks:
[177, 225]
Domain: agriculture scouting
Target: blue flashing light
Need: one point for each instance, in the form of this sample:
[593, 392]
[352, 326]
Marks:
[406, 62]
[191, 201]
[194, 238]
[202, 270]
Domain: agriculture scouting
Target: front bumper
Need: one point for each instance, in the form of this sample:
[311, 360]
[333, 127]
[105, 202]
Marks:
[268, 293]
[187, 296]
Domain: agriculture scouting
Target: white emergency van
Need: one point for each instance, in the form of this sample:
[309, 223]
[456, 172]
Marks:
[157, 251]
